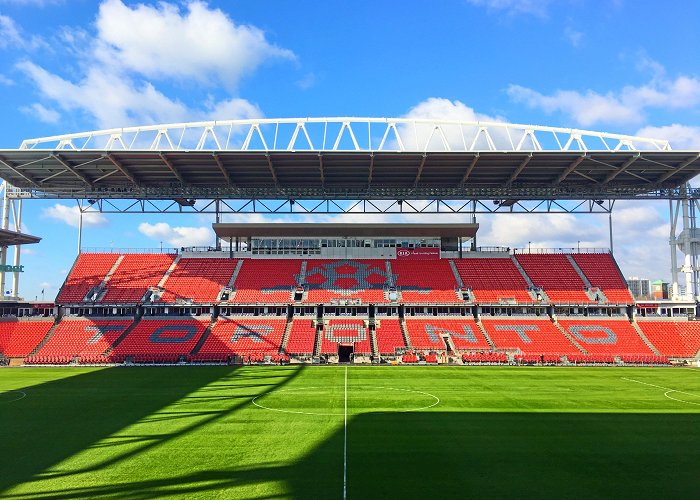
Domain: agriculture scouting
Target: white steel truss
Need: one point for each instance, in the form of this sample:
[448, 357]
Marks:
[346, 134]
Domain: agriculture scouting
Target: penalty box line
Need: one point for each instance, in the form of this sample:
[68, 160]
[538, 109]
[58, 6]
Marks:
[668, 391]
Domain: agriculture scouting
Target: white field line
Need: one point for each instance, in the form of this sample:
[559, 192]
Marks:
[668, 391]
[23, 395]
[345, 441]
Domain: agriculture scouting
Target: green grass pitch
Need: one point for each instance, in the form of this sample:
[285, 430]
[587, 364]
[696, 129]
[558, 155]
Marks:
[408, 432]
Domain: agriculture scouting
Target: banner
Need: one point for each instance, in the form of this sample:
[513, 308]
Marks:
[418, 253]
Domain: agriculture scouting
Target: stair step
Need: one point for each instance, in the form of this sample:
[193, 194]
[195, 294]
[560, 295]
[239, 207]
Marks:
[458, 278]
[485, 334]
[106, 279]
[165, 277]
[46, 338]
[122, 336]
[522, 271]
[285, 336]
[646, 340]
[569, 336]
[404, 331]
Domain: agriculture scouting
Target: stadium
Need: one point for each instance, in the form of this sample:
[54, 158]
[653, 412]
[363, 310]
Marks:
[336, 359]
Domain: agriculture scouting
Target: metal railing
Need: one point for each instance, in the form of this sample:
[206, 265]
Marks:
[168, 250]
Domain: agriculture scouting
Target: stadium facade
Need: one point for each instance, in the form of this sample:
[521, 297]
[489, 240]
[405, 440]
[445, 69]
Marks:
[366, 293]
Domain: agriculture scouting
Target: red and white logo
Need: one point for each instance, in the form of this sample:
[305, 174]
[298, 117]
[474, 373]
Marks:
[418, 253]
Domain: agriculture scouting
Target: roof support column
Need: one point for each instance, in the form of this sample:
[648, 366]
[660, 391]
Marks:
[17, 212]
[4, 225]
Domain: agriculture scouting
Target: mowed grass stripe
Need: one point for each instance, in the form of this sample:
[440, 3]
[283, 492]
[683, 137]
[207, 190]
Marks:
[497, 431]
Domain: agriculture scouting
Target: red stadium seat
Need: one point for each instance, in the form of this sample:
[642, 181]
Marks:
[678, 339]
[89, 270]
[427, 334]
[556, 276]
[493, 280]
[530, 336]
[606, 337]
[19, 337]
[389, 336]
[346, 279]
[245, 336]
[266, 281]
[602, 272]
[134, 275]
[425, 281]
[200, 280]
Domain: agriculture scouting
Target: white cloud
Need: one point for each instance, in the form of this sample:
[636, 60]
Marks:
[6, 81]
[12, 35]
[533, 7]
[42, 113]
[178, 236]
[573, 36]
[626, 106]
[195, 45]
[201, 43]
[71, 216]
[438, 108]
[34, 3]
[679, 136]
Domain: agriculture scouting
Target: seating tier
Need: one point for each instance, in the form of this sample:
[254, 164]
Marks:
[345, 331]
[134, 275]
[601, 271]
[86, 338]
[389, 336]
[19, 338]
[245, 336]
[673, 338]
[493, 280]
[429, 333]
[266, 281]
[362, 279]
[425, 281]
[302, 337]
[612, 337]
[88, 271]
[555, 274]
[198, 279]
[166, 339]
[531, 336]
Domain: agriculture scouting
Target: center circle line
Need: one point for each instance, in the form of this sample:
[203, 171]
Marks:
[281, 410]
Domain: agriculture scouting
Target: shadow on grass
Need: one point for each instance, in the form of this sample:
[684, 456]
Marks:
[457, 455]
[61, 418]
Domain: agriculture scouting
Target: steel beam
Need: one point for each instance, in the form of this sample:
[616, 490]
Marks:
[470, 169]
[680, 167]
[171, 167]
[223, 170]
[72, 170]
[520, 168]
[118, 165]
[420, 170]
[568, 170]
[16, 171]
[622, 168]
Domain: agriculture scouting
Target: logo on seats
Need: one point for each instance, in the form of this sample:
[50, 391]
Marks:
[348, 276]
[403, 252]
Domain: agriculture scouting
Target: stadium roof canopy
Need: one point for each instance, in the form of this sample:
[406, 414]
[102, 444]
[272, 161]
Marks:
[347, 158]
[301, 230]
[8, 238]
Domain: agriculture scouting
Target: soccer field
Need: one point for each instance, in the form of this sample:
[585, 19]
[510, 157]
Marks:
[308, 432]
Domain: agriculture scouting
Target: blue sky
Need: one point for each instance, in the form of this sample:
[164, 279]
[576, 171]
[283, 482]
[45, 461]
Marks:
[619, 66]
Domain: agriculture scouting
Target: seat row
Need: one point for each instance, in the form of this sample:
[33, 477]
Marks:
[200, 280]
[121, 338]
